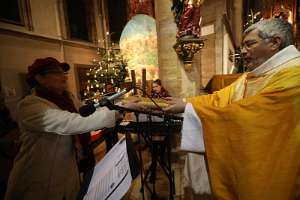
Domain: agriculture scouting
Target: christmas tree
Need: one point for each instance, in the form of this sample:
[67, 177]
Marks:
[109, 68]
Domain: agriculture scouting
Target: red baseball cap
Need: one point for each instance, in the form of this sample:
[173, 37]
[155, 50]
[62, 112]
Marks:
[41, 65]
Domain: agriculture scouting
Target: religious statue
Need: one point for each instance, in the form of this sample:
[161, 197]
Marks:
[197, 19]
[188, 18]
[177, 8]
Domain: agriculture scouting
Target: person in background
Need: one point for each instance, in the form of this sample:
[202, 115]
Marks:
[158, 91]
[9, 144]
[109, 88]
[251, 128]
[45, 166]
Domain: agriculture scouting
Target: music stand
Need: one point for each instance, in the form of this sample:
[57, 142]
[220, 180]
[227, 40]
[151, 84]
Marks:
[157, 149]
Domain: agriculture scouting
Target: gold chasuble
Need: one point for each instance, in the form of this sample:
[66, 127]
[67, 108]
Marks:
[252, 135]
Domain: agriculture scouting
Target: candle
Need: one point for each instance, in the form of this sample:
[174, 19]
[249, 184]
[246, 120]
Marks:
[133, 81]
[144, 82]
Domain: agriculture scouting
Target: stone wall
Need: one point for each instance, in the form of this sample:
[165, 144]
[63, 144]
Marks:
[206, 63]
[19, 47]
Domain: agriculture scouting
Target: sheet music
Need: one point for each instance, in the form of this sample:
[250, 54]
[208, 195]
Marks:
[112, 177]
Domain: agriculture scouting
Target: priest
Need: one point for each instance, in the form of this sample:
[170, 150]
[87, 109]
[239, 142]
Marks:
[251, 129]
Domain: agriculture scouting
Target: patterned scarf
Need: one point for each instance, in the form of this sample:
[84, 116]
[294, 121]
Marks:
[63, 101]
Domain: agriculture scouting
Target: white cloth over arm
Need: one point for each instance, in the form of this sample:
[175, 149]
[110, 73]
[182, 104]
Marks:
[195, 173]
[192, 132]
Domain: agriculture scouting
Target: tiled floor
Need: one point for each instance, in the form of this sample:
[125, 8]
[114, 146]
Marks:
[161, 182]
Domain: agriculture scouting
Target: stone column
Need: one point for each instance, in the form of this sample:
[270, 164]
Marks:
[176, 80]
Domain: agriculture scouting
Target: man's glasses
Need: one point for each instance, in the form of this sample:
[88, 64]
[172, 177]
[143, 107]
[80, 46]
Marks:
[248, 44]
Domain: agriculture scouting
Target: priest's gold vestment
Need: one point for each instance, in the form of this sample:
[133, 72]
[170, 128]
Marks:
[252, 135]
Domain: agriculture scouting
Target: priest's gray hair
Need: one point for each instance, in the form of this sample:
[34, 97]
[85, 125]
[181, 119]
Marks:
[275, 27]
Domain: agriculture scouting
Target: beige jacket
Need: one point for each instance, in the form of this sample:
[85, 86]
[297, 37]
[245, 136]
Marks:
[45, 168]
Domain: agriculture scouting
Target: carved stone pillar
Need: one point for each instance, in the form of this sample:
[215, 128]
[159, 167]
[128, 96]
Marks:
[177, 81]
[186, 48]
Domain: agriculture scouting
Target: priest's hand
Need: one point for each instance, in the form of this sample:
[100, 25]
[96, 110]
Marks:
[176, 105]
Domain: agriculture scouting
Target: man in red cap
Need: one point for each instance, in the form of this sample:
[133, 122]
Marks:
[45, 167]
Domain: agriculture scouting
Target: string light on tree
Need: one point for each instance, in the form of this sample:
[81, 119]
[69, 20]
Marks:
[109, 68]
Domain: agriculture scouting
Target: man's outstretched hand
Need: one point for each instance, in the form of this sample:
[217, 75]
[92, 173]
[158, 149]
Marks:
[176, 105]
